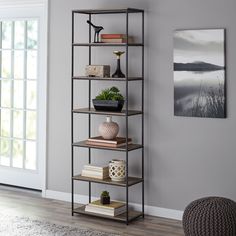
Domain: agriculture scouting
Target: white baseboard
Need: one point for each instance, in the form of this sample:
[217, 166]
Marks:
[149, 210]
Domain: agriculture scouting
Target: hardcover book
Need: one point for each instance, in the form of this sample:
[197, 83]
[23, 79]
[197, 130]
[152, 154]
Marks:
[120, 40]
[112, 209]
[106, 144]
[113, 36]
[112, 205]
[94, 174]
[96, 168]
[117, 140]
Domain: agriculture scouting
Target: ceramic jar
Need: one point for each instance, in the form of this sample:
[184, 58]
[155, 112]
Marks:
[108, 129]
[117, 170]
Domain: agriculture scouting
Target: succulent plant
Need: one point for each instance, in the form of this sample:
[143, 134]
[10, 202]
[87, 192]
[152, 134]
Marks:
[112, 93]
[105, 194]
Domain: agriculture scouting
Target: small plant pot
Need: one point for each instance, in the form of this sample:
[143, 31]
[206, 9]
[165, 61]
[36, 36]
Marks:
[108, 105]
[105, 200]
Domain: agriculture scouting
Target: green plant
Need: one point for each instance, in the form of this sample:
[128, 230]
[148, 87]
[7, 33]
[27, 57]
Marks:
[112, 93]
[105, 194]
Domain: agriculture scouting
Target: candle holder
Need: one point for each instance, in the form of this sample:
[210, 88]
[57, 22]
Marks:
[117, 170]
[118, 73]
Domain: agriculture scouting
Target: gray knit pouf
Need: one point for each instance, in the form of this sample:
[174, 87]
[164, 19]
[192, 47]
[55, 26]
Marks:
[211, 216]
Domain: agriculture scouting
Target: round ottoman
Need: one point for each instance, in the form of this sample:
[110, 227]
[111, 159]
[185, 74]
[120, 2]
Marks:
[211, 216]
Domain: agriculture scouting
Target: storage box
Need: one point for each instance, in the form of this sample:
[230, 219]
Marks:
[97, 70]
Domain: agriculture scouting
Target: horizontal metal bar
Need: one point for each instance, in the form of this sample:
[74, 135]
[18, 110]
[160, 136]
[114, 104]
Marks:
[107, 44]
[106, 78]
[108, 11]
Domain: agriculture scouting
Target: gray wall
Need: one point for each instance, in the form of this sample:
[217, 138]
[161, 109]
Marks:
[186, 158]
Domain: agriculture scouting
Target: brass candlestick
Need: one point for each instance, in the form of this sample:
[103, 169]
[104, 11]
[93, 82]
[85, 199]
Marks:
[118, 73]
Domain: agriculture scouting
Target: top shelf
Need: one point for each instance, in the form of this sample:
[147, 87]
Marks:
[107, 44]
[108, 11]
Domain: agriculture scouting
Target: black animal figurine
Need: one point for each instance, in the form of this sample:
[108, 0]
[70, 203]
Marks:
[97, 30]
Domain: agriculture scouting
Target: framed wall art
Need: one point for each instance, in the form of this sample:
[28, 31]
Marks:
[199, 73]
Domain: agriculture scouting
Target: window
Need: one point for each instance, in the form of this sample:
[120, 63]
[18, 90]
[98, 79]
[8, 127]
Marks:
[18, 97]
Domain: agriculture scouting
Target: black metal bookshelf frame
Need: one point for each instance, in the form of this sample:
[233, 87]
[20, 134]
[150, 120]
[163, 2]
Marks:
[128, 216]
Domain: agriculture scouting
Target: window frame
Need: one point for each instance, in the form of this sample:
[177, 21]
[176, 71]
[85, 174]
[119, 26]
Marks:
[23, 9]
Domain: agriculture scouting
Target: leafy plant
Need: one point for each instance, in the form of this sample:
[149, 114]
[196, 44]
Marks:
[112, 93]
[105, 194]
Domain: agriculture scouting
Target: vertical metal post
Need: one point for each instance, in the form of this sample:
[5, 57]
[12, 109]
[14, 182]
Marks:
[89, 150]
[126, 123]
[72, 121]
[143, 112]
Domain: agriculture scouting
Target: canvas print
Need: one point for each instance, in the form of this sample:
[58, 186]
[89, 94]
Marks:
[199, 73]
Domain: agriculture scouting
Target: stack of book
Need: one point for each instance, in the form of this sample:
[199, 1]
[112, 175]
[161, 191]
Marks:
[115, 38]
[98, 172]
[100, 141]
[112, 209]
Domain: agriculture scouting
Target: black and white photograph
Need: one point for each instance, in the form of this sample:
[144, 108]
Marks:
[199, 73]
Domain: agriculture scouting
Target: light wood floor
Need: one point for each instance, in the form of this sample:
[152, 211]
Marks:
[27, 203]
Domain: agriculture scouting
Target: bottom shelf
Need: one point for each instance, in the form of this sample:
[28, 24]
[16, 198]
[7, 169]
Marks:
[122, 217]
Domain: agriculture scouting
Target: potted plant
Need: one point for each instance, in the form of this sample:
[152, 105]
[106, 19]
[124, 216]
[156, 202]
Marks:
[105, 198]
[109, 100]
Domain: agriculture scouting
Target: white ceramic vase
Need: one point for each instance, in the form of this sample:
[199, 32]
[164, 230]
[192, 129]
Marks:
[108, 129]
[117, 170]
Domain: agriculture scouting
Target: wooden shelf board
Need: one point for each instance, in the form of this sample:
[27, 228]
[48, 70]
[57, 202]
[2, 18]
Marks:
[107, 44]
[108, 11]
[106, 78]
[93, 111]
[122, 217]
[131, 181]
[123, 148]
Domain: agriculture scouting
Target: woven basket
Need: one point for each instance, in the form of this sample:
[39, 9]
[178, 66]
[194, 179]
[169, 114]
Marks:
[211, 216]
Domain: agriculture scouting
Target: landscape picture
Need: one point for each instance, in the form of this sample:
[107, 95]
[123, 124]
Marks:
[199, 73]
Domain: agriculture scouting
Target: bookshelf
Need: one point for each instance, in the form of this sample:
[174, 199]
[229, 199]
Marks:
[129, 215]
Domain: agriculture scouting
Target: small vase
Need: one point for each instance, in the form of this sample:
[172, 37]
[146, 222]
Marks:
[118, 73]
[108, 129]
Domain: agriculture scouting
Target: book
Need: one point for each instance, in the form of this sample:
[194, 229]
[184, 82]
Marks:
[113, 36]
[113, 40]
[93, 174]
[104, 212]
[96, 168]
[113, 209]
[112, 205]
[120, 40]
[117, 140]
[98, 172]
[100, 144]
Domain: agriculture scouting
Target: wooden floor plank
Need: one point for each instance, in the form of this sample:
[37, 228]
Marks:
[30, 204]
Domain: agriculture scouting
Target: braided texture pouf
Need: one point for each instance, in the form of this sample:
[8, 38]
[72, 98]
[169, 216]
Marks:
[211, 216]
